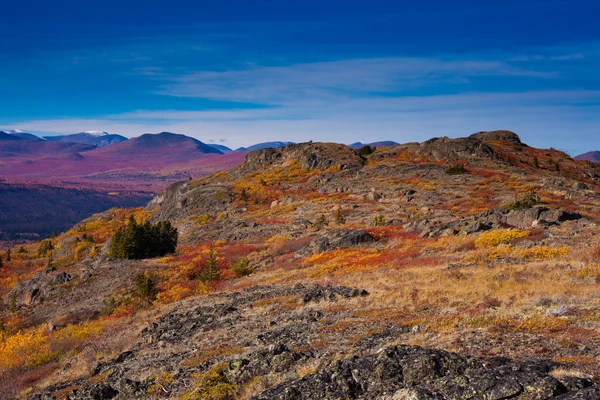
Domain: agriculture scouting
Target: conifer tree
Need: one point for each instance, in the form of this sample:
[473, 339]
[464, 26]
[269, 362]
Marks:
[210, 271]
[339, 217]
[137, 241]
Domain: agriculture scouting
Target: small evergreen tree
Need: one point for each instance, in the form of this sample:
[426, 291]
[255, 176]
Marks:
[536, 162]
[379, 220]
[242, 267]
[210, 272]
[321, 220]
[45, 247]
[339, 217]
[8, 255]
[1, 263]
[144, 287]
[12, 305]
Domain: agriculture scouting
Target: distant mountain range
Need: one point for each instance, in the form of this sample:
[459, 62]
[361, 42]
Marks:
[221, 148]
[165, 146]
[96, 138]
[16, 134]
[386, 143]
[264, 145]
[111, 159]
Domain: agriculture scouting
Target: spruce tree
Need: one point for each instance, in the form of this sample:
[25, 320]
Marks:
[138, 241]
[210, 272]
[339, 218]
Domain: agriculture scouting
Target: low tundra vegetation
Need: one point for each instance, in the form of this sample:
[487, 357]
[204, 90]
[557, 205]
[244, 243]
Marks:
[514, 292]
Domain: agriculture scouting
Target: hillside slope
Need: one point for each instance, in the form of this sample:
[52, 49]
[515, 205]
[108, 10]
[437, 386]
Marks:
[423, 270]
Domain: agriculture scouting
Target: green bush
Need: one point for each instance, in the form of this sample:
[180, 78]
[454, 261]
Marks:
[45, 247]
[136, 241]
[366, 150]
[242, 267]
[456, 169]
[321, 220]
[522, 203]
[379, 220]
[339, 217]
[144, 287]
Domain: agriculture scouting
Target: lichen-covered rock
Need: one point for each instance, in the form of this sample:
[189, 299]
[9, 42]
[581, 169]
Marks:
[447, 149]
[537, 216]
[337, 239]
[500, 135]
[308, 155]
[411, 372]
[187, 198]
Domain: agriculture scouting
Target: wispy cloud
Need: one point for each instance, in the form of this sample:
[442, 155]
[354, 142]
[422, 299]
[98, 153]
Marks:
[277, 84]
[367, 99]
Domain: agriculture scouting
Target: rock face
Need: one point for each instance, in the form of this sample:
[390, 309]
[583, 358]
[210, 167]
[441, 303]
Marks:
[537, 216]
[501, 135]
[186, 198]
[412, 372]
[308, 155]
[338, 238]
[35, 290]
[447, 149]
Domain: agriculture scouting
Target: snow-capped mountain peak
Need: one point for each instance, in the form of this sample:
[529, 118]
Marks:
[14, 131]
[96, 133]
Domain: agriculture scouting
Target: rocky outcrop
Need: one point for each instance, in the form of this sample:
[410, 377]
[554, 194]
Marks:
[501, 135]
[337, 239]
[33, 291]
[446, 149]
[261, 344]
[537, 216]
[412, 372]
[186, 198]
[308, 155]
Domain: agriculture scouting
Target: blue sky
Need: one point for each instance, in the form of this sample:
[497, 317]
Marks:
[239, 72]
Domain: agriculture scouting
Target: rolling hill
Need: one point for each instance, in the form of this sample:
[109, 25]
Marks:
[96, 138]
[264, 145]
[593, 156]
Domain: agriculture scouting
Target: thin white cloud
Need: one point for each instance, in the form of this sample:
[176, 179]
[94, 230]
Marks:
[274, 85]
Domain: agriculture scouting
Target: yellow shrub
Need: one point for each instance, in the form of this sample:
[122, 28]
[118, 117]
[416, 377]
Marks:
[211, 385]
[499, 236]
[160, 381]
[27, 349]
[175, 293]
[204, 219]
[77, 332]
[544, 252]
